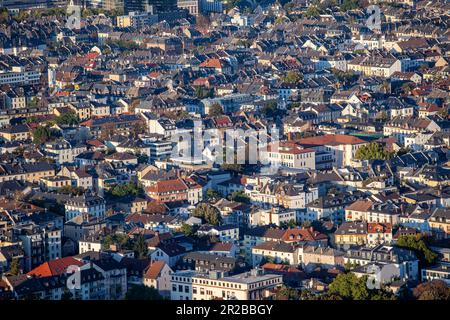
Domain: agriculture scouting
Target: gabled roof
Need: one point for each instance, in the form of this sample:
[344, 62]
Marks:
[297, 234]
[168, 186]
[54, 267]
[154, 271]
[360, 205]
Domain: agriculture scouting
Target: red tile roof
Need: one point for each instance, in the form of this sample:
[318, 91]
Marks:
[211, 63]
[297, 234]
[374, 227]
[222, 246]
[330, 139]
[360, 205]
[154, 270]
[173, 185]
[54, 267]
[280, 268]
[289, 147]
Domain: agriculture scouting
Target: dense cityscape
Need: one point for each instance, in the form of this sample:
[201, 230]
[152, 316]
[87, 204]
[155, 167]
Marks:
[224, 150]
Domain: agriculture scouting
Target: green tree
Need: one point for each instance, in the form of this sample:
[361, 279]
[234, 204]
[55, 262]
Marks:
[107, 241]
[69, 118]
[312, 12]
[345, 78]
[14, 268]
[4, 16]
[349, 286]
[143, 158]
[372, 151]
[419, 245]
[306, 224]
[232, 3]
[202, 92]
[407, 87]
[209, 213]
[292, 224]
[350, 265]
[128, 189]
[121, 239]
[286, 293]
[292, 77]
[432, 290]
[22, 16]
[141, 292]
[234, 166]
[215, 110]
[212, 194]
[188, 230]
[382, 116]
[75, 191]
[270, 109]
[140, 247]
[349, 5]
[44, 134]
[66, 295]
[240, 196]
[443, 112]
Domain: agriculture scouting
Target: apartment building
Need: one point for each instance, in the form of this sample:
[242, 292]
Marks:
[39, 244]
[252, 285]
[91, 205]
[342, 147]
[276, 216]
[30, 172]
[291, 155]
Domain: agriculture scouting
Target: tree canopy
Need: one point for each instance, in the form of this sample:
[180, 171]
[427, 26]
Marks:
[188, 230]
[44, 134]
[215, 110]
[286, 293]
[14, 267]
[129, 189]
[349, 287]
[141, 292]
[292, 77]
[140, 247]
[208, 213]
[312, 12]
[349, 5]
[212, 194]
[240, 196]
[433, 290]
[419, 245]
[121, 239]
[372, 151]
[270, 109]
[69, 118]
[75, 191]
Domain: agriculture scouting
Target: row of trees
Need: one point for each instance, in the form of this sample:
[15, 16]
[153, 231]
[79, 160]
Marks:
[319, 7]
